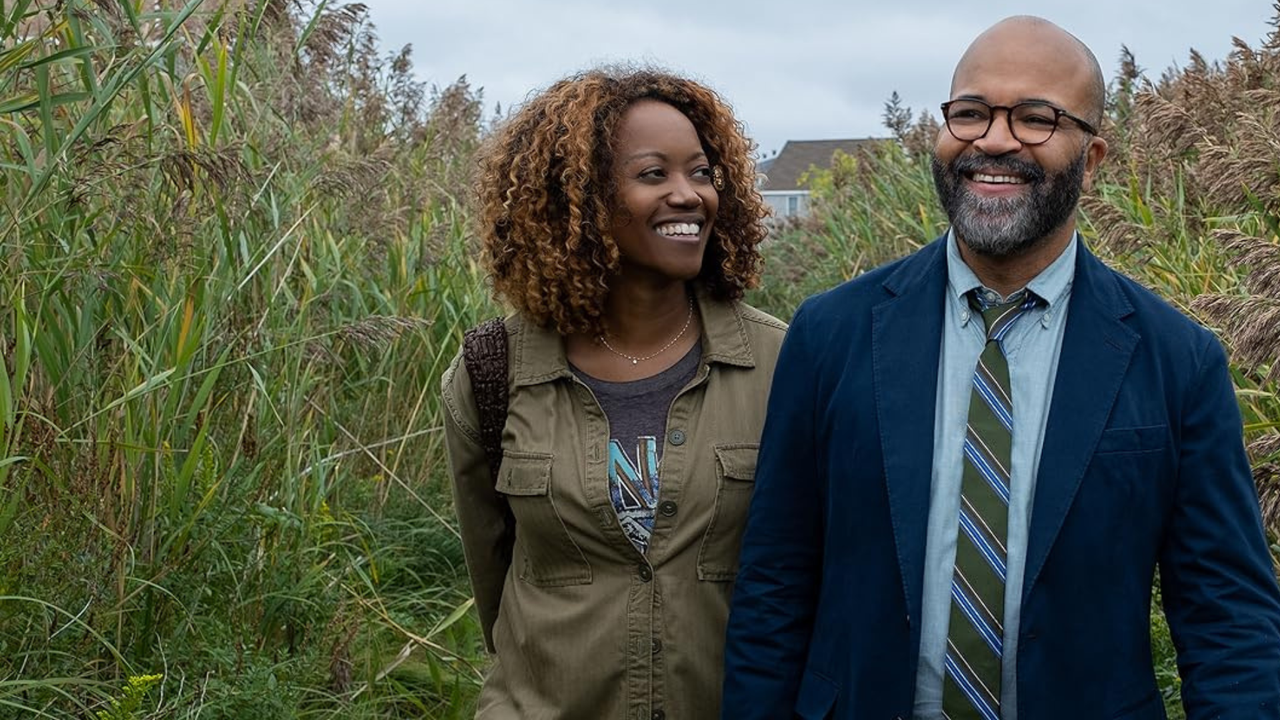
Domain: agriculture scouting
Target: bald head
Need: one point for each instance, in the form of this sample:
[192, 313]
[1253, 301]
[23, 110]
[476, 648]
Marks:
[1023, 38]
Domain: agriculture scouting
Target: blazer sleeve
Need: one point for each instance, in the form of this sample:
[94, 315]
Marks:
[484, 518]
[1217, 576]
[776, 592]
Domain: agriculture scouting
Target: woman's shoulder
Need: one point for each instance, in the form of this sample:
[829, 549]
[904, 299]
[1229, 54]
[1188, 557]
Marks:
[760, 332]
[768, 323]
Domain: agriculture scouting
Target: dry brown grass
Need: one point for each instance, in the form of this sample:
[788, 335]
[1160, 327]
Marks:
[1266, 472]
[1199, 151]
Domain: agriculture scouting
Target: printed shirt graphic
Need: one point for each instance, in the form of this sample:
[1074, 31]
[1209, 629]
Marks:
[633, 487]
[637, 413]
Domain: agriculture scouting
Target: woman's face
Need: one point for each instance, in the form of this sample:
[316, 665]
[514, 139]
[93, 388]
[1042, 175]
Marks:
[666, 200]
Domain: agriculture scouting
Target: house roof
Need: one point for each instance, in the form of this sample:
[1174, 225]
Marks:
[797, 156]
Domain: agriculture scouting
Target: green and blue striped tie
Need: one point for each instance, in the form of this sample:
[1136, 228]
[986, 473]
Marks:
[975, 638]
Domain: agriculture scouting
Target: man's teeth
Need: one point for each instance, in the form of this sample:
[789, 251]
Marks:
[1009, 179]
[680, 229]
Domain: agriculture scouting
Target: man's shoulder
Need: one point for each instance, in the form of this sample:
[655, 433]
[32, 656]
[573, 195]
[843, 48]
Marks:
[1154, 316]
[863, 292]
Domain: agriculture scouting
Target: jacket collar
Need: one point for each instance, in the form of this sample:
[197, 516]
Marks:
[1097, 347]
[538, 353]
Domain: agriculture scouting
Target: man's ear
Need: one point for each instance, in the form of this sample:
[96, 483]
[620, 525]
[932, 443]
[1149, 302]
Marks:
[1094, 153]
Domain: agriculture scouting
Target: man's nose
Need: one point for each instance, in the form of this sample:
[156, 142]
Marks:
[999, 139]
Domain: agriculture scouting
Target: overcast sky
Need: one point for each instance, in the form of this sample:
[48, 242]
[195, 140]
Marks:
[792, 69]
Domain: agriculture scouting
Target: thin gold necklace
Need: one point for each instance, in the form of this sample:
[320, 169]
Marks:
[637, 360]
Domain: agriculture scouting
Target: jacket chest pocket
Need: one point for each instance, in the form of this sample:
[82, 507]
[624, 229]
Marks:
[550, 556]
[735, 481]
[1130, 461]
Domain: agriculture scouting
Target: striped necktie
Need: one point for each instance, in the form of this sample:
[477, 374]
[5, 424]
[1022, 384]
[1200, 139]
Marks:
[975, 637]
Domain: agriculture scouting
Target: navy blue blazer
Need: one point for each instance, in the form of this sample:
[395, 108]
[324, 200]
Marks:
[1142, 466]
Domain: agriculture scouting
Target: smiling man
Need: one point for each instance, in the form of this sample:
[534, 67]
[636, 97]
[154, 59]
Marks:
[976, 457]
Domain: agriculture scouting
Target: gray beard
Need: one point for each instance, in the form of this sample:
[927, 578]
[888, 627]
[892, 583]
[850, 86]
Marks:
[1001, 227]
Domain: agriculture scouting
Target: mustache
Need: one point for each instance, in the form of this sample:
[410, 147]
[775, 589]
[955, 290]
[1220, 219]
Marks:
[966, 164]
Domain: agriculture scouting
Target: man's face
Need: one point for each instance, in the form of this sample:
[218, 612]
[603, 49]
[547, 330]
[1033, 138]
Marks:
[1005, 197]
[1028, 203]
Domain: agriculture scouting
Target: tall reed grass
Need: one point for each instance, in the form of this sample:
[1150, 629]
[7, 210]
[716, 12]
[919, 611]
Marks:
[235, 262]
[234, 267]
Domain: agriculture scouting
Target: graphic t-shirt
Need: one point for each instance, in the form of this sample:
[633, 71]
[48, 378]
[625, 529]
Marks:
[637, 413]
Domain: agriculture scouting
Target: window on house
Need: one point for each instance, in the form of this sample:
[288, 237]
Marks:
[793, 206]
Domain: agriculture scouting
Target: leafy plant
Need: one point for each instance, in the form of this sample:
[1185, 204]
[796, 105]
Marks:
[126, 704]
[235, 265]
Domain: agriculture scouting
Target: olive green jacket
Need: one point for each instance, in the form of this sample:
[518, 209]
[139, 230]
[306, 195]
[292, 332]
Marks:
[580, 623]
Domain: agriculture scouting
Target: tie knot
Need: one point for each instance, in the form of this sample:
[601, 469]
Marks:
[1000, 317]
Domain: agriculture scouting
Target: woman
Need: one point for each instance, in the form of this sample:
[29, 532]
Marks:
[618, 215]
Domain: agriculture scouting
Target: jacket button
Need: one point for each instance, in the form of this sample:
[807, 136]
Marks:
[646, 573]
[677, 437]
[659, 715]
[668, 508]
[657, 646]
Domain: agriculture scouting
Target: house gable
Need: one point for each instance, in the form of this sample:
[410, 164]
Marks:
[782, 173]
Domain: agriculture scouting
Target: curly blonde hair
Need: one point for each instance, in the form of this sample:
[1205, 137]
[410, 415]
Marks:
[547, 198]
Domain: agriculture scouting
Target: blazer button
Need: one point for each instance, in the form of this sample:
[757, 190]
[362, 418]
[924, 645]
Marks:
[677, 437]
[659, 715]
[657, 646]
[668, 508]
[646, 573]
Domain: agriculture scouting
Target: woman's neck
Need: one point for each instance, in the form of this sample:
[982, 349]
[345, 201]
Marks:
[647, 330]
[642, 316]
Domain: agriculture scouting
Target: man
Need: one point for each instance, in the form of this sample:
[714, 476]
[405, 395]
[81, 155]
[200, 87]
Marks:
[952, 525]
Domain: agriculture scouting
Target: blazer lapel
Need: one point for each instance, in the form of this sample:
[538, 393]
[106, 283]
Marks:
[1096, 349]
[905, 342]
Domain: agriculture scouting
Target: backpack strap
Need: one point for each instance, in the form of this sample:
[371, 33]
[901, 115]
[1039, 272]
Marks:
[484, 352]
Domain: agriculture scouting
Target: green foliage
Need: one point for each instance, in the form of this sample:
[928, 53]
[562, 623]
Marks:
[1164, 656]
[235, 265]
[867, 209]
[126, 704]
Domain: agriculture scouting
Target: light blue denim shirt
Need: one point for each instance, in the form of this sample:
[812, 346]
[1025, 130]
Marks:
[1032, 348]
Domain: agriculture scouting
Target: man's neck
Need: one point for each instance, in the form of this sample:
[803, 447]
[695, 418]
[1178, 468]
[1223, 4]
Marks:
[1009, 273]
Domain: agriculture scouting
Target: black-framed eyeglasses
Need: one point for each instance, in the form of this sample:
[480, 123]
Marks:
[1030, 123]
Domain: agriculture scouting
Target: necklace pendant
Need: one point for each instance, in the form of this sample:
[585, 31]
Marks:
[635, 361]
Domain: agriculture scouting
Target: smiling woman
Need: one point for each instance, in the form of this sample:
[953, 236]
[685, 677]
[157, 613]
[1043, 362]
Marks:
[619, 218]
[666, 193]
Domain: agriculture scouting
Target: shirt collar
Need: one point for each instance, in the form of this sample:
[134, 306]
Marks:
[1053, 284]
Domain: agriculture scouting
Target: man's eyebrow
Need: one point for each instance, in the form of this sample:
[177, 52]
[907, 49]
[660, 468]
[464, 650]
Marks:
[984, 99]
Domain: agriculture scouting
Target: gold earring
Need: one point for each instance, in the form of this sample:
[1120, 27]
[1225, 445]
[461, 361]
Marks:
[717, 178]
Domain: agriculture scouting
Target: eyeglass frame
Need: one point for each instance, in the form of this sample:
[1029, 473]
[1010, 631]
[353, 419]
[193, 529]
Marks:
[1058, 114]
